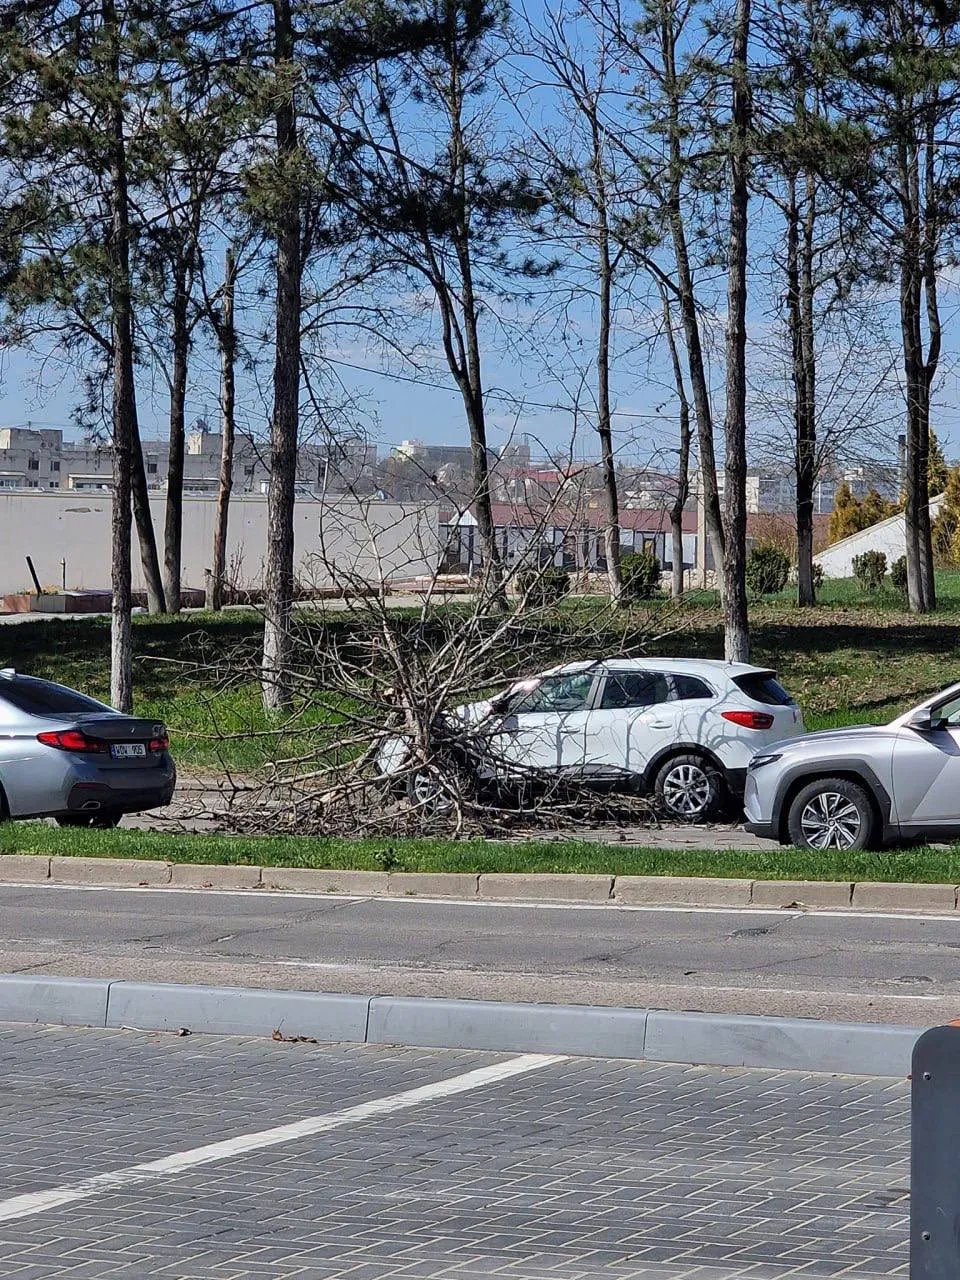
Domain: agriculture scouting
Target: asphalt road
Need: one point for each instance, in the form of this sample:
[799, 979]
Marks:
[210, 1158]
[857, 967]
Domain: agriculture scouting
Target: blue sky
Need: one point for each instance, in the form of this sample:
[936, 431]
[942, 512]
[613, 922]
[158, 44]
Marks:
[525, 374]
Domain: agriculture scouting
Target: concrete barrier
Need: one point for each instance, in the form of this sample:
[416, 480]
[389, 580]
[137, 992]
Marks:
[238, 1011]
[65, 1002]
[525, 1028]
[784, 1044]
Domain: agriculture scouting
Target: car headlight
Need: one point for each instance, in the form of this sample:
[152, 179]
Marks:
[759, 761]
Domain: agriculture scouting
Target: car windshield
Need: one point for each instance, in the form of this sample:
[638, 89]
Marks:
[42, 698]
[564, 692]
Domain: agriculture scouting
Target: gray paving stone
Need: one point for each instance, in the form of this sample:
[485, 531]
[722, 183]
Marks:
[584, 1170]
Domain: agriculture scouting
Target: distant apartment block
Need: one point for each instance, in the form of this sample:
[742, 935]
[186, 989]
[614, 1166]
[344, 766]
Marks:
[40, 458]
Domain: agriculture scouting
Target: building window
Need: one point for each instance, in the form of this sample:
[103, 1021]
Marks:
[33, 464]
[54, 464]
[54, 484]
[151, 466]
[248, 471]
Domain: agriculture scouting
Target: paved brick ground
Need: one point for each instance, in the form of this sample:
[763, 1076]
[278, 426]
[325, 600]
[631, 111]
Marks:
[582, 1170]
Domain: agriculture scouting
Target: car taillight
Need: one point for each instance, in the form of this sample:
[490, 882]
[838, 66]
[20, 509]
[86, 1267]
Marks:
[749, 719]
[71, 740]
[160, 744]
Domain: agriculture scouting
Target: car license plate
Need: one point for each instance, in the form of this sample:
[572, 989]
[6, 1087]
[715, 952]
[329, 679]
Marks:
[128, 751]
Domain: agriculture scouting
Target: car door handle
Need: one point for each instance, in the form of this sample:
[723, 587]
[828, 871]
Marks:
[658, 724]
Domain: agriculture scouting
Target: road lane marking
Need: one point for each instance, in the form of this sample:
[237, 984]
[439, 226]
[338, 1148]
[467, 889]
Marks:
[408, 900]
[26, 1206]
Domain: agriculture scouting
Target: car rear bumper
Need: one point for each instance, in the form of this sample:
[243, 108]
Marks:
[737, 781]
[94, 797]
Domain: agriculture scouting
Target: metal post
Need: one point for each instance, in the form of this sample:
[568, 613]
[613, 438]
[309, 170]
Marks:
[935, 1156]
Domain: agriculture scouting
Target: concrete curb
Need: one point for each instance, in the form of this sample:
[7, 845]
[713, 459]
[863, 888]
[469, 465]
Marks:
[651, 1035]
[650, 891]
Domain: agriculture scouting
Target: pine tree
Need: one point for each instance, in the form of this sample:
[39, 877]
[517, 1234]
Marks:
[946, 526]
[874, 508]
[73, 70]
[845, 518]
[937, 470]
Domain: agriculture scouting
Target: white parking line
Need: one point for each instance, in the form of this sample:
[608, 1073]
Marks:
[26, 1206]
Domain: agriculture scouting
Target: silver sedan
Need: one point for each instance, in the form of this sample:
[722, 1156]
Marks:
[66, 756]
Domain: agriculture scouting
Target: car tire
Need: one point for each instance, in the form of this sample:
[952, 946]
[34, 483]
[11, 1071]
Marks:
[831, 813]
[426, 792]
[689, 788]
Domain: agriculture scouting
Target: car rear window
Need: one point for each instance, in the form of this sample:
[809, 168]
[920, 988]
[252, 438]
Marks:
[42, 698]
[764, 688]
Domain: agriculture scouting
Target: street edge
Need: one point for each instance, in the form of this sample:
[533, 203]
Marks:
[647, 1035]
[545, 887]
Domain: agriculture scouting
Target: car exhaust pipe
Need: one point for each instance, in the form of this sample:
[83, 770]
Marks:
[90, 804]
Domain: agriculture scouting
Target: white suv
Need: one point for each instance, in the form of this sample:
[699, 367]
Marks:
[682, 729]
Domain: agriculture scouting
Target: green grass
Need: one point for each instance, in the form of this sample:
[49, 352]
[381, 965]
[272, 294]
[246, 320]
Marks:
[938, 866]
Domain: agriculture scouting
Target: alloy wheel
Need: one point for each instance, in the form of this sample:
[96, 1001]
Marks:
[830, 821]
[686, 790]
[428, 792]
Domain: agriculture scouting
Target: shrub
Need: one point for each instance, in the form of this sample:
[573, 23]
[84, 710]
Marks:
[870, 569]
[817, 576]
[542, 587]
[898, 575]
[641, 574]
[767, 570]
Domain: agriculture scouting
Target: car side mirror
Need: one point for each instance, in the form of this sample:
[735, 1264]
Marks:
[922, 721]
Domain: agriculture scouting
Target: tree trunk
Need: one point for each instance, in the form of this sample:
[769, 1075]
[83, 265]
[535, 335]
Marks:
[915, 514]
[735, 624]
[173, 524]
[278, 589]
[931, 229]
[149, 559]
[688, 306]
[683, 461]
[800, 291]
[227, 341]
[482, 504]
[807, 435]
[910, 325]
[611, 526]
[124, 404]
[470, 375]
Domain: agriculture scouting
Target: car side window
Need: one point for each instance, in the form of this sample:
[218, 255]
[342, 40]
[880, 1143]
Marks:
[557, 693]
[634, 689]
[948, 714]
[687, 688]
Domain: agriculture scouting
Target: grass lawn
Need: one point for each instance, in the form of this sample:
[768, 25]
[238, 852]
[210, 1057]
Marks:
[851, 660]
[935, 866]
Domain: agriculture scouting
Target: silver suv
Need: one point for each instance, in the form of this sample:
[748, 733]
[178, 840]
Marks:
[862, 787]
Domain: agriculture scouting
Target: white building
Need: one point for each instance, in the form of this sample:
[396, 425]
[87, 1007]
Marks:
[888, 536]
